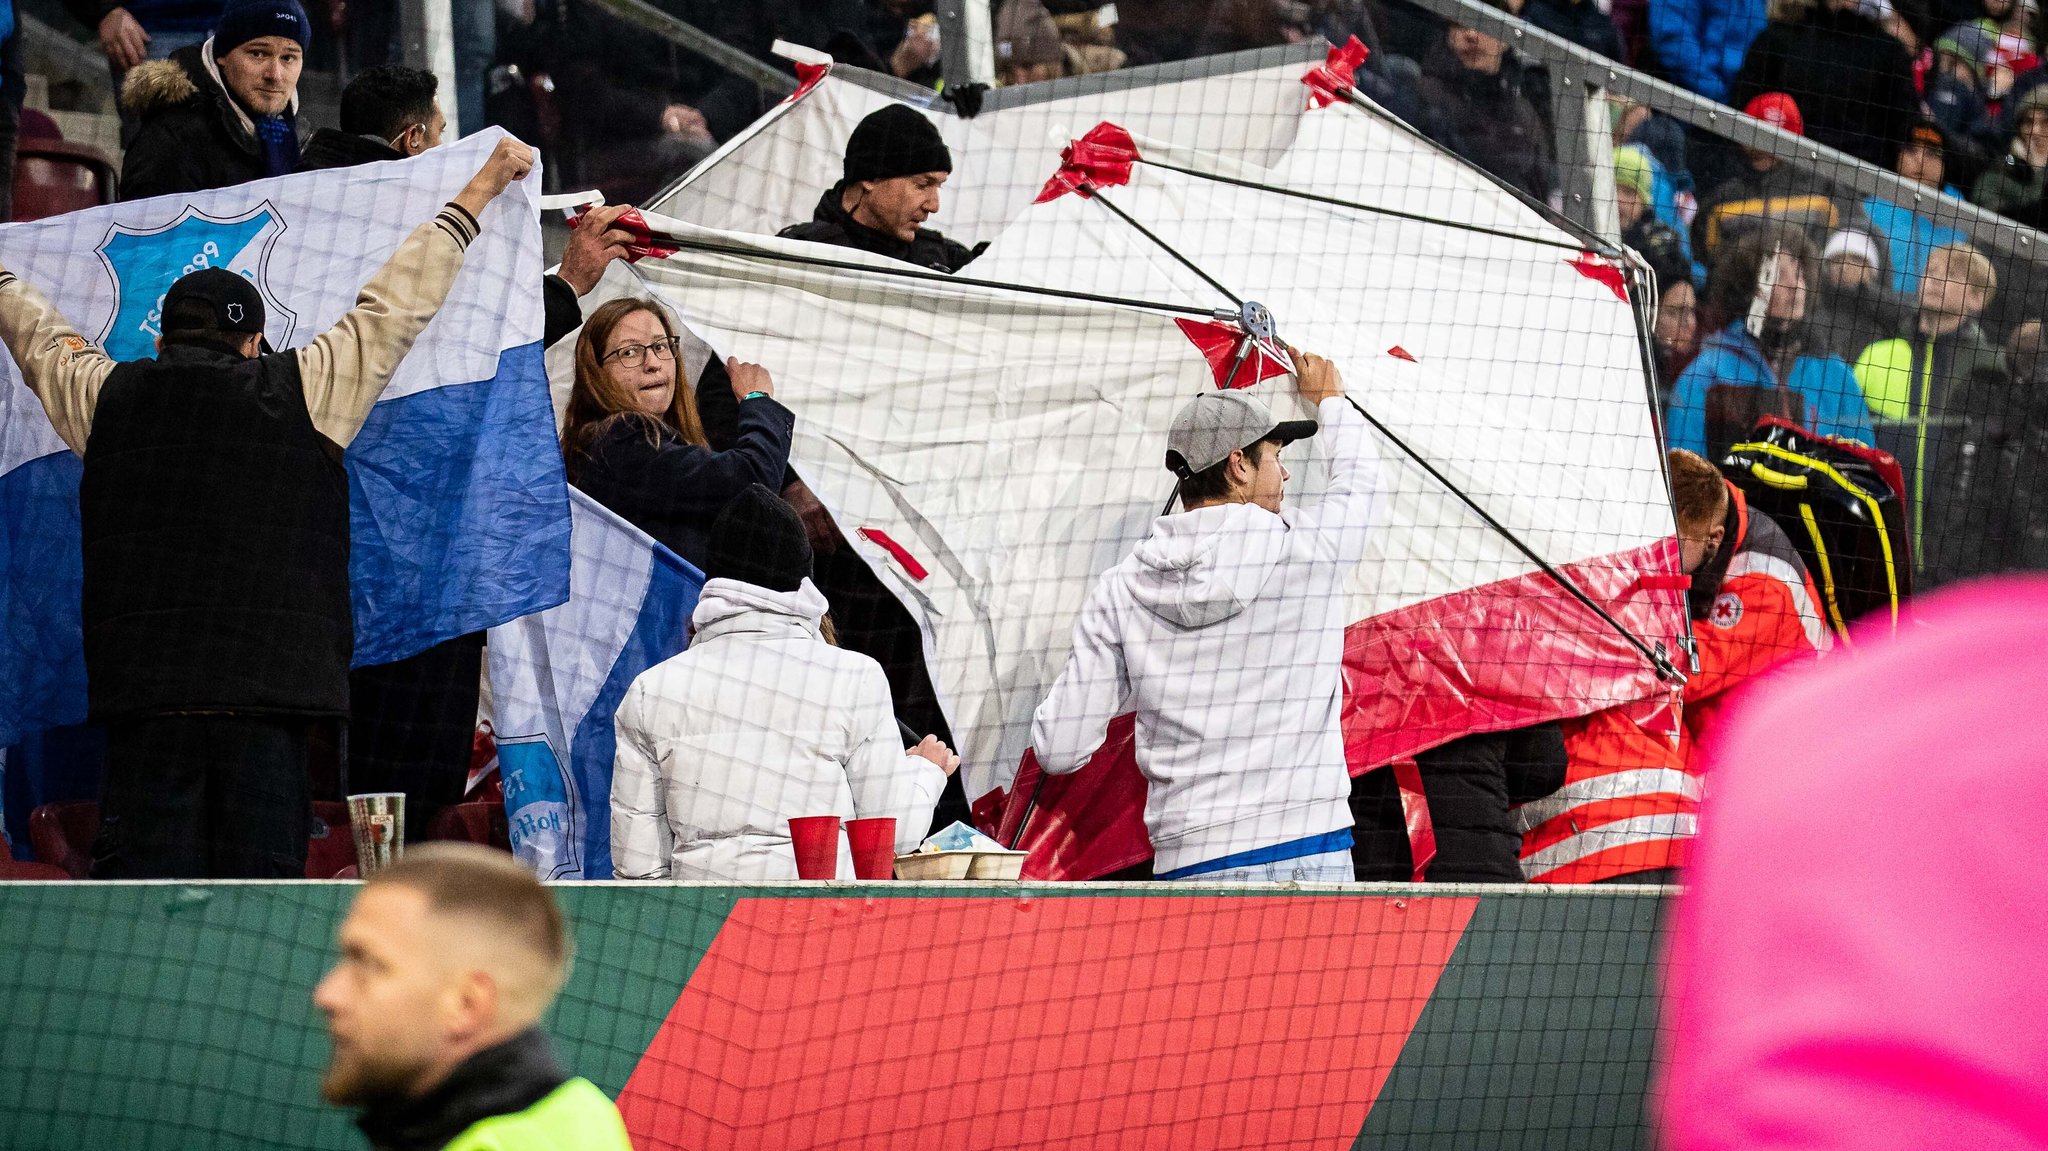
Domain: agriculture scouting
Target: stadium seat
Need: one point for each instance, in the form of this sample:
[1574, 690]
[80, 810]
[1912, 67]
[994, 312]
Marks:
[11, 871]
[55, 176]
[479, 822]
[61, 835]
[331, 847]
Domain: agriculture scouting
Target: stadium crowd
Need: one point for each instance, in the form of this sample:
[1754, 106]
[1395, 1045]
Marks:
[805, 689]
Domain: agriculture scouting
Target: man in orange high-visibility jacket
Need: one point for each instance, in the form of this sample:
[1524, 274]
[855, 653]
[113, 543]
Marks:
[1632, 788]
[1753, 605]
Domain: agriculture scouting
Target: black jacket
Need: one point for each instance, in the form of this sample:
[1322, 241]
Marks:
[672, 490]
[333, 148]
[1943, 443]
[499, 1080]
[1579, 21]
[1984, 483]
[192, 137]
[1491, 120]
[1469, 785]
[1852, 81]
[215, 527]
[831, 224]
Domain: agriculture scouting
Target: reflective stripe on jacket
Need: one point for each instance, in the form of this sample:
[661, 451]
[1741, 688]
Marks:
[1629, 803]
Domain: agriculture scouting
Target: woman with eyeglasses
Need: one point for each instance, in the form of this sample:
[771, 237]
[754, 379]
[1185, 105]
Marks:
[633, 441]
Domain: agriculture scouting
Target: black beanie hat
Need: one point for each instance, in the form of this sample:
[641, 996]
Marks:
[245, 20]
[758, 539]
[896, 141]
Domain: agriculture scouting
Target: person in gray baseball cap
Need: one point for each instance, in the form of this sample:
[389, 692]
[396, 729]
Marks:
[1223, 631]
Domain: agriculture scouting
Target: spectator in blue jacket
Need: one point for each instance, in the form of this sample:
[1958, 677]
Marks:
[1753, 367]
[1701, 43]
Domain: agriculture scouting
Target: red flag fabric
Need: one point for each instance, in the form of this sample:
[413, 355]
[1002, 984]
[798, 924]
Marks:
[1080, 826]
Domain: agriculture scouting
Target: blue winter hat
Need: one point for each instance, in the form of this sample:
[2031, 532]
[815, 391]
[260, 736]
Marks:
[248, 19]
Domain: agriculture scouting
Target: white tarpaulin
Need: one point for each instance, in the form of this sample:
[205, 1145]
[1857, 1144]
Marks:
[1007, 445]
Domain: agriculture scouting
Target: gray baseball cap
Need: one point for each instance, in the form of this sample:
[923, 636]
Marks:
[1214, 424]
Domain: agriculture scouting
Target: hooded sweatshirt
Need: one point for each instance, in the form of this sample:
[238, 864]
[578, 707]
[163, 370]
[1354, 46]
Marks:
[1224, 632]
[758, 721]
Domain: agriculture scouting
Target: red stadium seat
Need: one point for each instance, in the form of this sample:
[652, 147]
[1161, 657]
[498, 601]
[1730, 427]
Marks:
[11, 871]
[480, 822]
[61, 835]
[52, 177]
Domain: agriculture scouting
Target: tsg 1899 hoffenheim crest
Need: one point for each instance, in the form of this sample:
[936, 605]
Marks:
[145, 265]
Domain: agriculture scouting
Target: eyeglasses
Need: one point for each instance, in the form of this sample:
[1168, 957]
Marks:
[631, 355]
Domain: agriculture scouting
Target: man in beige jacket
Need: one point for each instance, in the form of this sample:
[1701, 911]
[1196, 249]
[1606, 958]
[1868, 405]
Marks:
[215, 524]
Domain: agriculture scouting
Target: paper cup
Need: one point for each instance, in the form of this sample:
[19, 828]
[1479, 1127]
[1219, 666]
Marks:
[816, 840]
[377, 820]
[874, 846]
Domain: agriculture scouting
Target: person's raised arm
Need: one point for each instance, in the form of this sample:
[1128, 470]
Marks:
[64, 369]
[1342, 518]
[1092, 690]
[346, 367]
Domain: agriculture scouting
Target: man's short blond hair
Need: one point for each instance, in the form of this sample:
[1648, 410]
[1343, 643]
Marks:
[1976, 269]
[475, 882]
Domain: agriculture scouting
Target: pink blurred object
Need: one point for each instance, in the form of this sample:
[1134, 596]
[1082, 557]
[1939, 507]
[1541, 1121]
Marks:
[1860, 959]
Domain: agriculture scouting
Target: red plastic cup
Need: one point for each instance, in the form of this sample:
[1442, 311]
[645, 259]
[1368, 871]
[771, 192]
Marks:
[874, 846]
[816, 839]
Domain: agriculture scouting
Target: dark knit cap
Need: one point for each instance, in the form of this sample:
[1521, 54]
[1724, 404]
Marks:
[758, 539]
[896, 141]
[213, 298]
[246, 20]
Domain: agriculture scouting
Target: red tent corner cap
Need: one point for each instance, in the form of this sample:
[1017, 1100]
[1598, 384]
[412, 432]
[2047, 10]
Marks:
[1218, 345]
[643, 244]
[808, 77]
[1100, 159]
[1401, 353]
[1606, 271]
[1337, 72]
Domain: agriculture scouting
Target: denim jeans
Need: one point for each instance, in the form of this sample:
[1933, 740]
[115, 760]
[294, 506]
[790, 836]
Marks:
[1329, 867]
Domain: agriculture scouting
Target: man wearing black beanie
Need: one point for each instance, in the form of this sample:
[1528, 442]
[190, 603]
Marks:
[222, 112]
[895, 164]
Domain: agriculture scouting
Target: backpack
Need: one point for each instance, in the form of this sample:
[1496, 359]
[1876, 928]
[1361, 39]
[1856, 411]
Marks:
[1842, 503]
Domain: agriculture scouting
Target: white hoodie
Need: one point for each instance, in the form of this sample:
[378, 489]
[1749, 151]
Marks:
[1224, 632]
[758, 721]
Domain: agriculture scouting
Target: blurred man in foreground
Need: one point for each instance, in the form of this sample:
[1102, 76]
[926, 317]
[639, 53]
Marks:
[448, 960]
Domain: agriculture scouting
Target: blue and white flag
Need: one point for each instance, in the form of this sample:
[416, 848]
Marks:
[557, 678]
[459, 512]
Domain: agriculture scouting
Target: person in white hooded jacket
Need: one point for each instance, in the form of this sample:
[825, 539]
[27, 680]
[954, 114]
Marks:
[758, 721]
[1224, 632]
